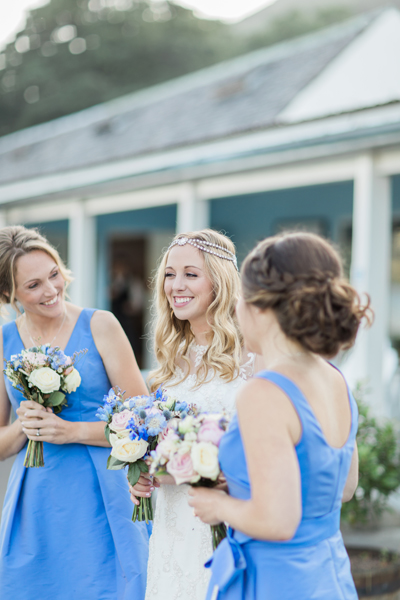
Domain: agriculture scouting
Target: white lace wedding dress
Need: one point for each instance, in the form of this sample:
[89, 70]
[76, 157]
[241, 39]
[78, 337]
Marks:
[180, 543]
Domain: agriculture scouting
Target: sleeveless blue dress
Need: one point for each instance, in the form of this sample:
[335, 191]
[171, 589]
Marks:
[66, 530]
[313, 565]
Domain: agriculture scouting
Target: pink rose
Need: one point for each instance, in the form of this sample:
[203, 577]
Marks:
[120, 421]
[210, 432]
[34, 359]
[180, 466]
[68, 371]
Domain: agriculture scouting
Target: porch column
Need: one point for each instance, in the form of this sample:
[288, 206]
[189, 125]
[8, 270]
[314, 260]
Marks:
[370, 272]
[193, 213]
[82, 256]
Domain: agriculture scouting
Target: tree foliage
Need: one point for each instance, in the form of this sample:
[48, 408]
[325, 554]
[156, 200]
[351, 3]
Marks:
[379, 466]
[74, 54]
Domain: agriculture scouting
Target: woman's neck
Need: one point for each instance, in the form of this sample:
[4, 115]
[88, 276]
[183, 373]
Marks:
[278, 349]
[202, 334]
[40, 326]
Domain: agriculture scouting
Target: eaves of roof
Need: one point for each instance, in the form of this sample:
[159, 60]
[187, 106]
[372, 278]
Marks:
[359, 131]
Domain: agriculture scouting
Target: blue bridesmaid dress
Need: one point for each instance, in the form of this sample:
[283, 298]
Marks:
[314, 564]
[66, 530]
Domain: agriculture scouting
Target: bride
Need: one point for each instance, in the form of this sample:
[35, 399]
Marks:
[199, 352]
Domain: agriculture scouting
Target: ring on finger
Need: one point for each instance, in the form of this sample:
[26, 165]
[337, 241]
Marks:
[38, 432]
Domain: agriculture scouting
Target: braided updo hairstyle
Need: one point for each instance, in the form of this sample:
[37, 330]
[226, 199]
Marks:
[300, 277]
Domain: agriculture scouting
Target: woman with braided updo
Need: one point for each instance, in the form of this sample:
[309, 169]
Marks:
[289, 457]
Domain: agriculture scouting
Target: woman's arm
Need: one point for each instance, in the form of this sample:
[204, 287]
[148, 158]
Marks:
[352, 478]
[117, 354]
[12, 438]
[269, 426]
[122, 370]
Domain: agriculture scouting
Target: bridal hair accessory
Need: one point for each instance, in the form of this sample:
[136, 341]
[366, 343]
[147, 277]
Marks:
[206, 247]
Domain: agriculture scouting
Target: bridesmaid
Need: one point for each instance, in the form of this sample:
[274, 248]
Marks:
[289, 457]
[66, 529]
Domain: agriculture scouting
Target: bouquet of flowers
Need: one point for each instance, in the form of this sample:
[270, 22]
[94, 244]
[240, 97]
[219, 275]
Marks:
[43, 374]
[133, 428]
[189, 452]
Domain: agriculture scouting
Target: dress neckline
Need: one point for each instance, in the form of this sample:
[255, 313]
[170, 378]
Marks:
[199, 352]
[69, 339]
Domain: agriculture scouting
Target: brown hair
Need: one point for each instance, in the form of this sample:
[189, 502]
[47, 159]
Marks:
[300, 277]
[15, 241]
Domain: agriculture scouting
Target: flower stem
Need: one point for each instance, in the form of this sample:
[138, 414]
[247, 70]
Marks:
[218, 533]
[34, 454]
[143, 511]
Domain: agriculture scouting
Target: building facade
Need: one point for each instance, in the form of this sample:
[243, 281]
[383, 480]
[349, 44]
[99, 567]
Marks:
[305, 134]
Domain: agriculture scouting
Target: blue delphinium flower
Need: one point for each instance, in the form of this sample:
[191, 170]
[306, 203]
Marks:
[104, 413]
[110, 399]
[137, 432]
[58, 359]
[155, 423]
[160, 395]
[180, 406]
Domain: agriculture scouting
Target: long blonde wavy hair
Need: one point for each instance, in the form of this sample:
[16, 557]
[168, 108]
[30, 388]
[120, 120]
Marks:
[172, 336]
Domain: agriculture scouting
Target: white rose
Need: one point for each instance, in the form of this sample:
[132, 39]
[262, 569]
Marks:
[72, 381]
[186, 425]
[126, 450]
[45, 379]
[170, 402]
[205, 460]
[184, 447]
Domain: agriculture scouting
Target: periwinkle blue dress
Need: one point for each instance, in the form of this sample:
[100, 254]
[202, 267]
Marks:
[314, 564]
[66, 530]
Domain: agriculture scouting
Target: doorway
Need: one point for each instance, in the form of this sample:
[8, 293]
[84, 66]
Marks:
[128, 288]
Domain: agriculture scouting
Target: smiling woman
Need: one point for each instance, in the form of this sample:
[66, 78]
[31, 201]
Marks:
[200, 355]
[73, 488]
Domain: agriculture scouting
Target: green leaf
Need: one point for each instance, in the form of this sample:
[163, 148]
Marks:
[114, 464]
[55, 399]
[134, 473]
[142, 466]
[107, 433]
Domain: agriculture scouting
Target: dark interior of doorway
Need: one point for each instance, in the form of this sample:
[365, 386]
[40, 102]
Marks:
[128, 289]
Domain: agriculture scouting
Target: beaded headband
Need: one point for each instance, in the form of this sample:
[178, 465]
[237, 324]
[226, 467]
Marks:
[205, 247]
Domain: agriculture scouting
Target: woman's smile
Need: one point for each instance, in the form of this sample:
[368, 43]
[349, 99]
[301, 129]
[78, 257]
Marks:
[181, 301]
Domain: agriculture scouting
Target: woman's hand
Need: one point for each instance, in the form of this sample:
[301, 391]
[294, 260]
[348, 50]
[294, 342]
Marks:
[144, 487]
[35, 418]
[221, 484]
[205, 503]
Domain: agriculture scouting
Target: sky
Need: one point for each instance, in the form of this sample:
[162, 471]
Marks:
[12, 12]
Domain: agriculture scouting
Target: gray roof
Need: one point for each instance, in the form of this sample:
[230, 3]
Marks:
[242, 95]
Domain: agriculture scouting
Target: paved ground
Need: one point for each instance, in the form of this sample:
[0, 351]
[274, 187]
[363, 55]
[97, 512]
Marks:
[384, 537]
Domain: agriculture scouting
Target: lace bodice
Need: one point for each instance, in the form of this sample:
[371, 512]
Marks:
[181, 543]
[215, 394]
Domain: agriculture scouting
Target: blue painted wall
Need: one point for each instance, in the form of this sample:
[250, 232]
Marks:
[136, 221]
[57, 234]
[396, 196]
[248, 219]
